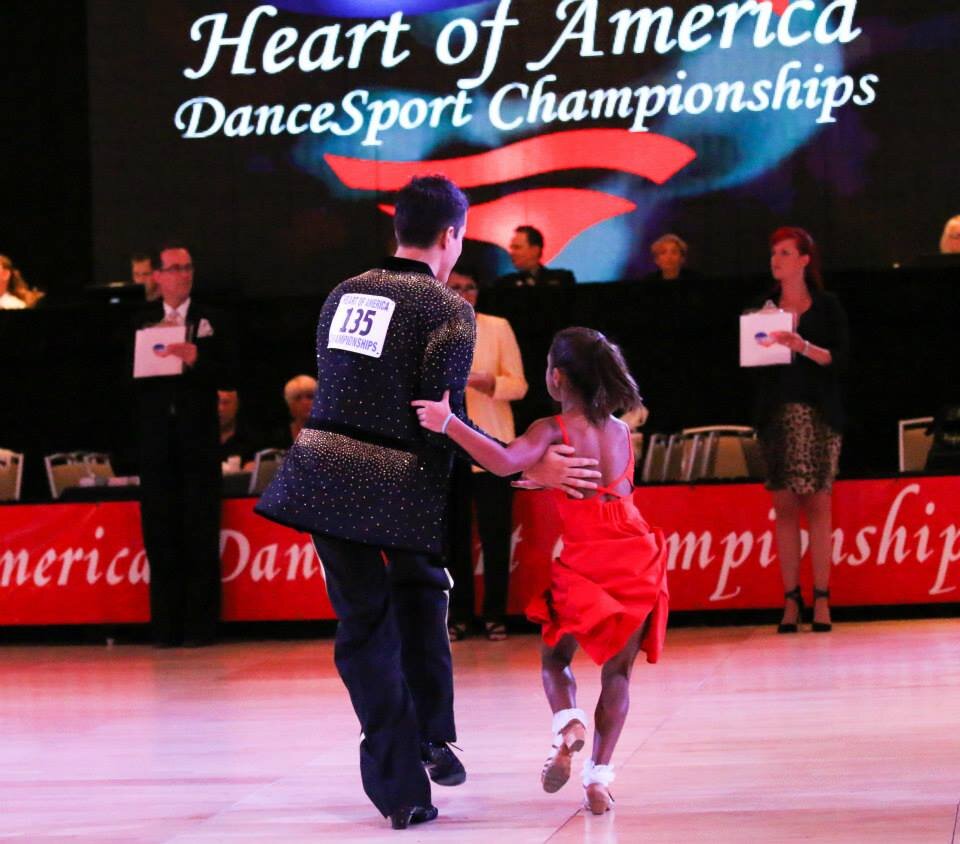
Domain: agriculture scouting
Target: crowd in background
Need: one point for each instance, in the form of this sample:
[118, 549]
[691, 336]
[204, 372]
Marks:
[799, 414]
[669, 252]
[239, 441]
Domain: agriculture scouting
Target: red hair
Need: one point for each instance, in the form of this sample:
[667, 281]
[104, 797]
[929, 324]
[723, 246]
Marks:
[805, 246]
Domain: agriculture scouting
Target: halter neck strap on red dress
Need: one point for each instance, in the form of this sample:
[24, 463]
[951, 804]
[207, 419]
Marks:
[609, 489]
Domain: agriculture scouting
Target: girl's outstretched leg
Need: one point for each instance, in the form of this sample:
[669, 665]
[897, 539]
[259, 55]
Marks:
[609, 718]
[569, 722]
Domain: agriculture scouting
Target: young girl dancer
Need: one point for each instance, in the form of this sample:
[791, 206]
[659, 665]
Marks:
[607, 591]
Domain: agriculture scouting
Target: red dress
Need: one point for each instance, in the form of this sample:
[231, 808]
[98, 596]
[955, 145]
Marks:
[610, 575]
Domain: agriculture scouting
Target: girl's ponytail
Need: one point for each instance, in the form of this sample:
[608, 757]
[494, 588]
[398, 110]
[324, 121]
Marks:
[618, 390]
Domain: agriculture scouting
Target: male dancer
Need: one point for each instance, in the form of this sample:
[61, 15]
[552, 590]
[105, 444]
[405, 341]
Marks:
[371, 485]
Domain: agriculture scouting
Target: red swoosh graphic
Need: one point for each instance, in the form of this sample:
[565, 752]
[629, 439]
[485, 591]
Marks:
[780, 6]
[560, 213]
[651, 156]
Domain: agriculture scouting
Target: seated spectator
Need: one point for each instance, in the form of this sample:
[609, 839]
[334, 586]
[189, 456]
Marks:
[670, 255]
[141, 272]
[526, 249]
[950, 239]
[15, 293]
[298, 393]
[238, 445]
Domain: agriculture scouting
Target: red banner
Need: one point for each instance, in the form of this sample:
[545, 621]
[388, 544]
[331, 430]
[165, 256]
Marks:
[269, 572]
[896, 541]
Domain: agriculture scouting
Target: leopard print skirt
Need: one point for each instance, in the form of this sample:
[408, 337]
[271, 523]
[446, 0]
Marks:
[801, 450]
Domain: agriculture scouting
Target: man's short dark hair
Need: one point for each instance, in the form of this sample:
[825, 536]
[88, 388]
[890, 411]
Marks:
[534, 235]
[137, 257]
[171, 243]
[427, 206]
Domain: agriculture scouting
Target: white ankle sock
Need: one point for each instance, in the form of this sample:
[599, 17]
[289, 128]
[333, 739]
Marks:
[562, 718]
[600, 774]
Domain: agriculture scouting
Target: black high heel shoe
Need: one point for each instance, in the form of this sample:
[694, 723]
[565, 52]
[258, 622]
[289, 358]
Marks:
[821, 626]
[796, 596]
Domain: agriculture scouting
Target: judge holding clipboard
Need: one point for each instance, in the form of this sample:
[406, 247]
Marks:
[180, 360]
[800, 348]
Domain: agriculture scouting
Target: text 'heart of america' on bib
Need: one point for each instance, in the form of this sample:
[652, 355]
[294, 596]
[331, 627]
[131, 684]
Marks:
[361, 323]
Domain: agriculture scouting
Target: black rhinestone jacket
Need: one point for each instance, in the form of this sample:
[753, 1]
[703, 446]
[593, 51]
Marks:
[363, 469]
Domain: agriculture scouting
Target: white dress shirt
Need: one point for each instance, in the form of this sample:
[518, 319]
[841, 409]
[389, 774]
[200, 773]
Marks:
[178, 315]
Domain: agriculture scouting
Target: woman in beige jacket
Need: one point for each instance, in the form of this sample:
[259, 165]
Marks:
[496, 379]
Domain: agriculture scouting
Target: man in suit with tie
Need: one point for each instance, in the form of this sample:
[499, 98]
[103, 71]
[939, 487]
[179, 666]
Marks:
[180, 461]
[526, 251]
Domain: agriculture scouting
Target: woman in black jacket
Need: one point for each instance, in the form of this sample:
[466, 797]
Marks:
[799, 415]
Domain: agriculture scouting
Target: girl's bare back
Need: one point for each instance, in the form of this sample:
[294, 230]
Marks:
[609, 444]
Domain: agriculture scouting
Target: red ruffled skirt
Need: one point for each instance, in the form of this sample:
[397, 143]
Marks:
[609, 578]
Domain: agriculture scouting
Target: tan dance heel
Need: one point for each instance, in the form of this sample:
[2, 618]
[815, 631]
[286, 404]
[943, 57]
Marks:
[598, 799]
[596, 787]
[570, 735]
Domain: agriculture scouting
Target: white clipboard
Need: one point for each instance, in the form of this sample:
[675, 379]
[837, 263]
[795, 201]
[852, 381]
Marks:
[148, 362]
[755, 329]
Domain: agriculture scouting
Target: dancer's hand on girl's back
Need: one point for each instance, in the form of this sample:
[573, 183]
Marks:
[560, 468]
[432, 414]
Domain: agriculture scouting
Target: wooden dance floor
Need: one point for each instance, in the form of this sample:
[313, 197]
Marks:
[738, 735]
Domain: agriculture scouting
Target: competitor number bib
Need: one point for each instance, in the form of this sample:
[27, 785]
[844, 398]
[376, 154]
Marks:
[361, 323]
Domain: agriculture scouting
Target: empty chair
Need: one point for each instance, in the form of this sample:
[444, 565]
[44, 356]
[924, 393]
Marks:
[655, 462]
[673, 462]
[683, 457]
[728, 451]
[914, 441]
[265, 465]
[64, 471]
[11, 474]
[98, 464]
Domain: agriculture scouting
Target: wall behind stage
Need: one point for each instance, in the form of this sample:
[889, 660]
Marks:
[271, 137]
[45, 214]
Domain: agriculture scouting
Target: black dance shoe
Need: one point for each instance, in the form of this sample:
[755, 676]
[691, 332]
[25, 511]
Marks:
[442, 766]
[797, 597]
[410, 815]
[821, 626]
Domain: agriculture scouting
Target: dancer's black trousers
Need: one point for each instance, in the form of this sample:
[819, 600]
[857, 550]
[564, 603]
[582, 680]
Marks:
[394, 658]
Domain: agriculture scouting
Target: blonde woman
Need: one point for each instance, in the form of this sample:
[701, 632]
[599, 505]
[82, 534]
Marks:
[298, 393]
[670, 256]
